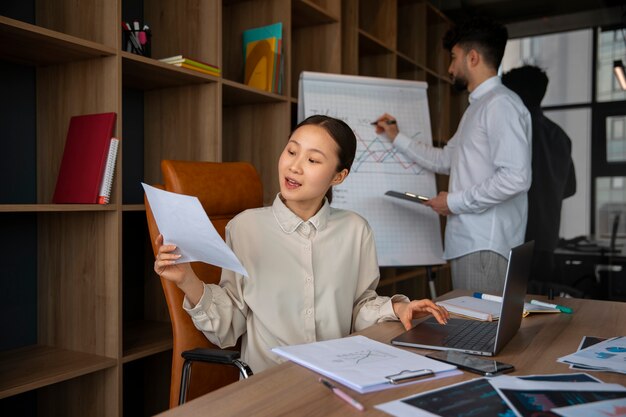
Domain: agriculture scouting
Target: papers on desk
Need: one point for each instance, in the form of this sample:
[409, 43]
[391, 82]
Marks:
[608, 355]
[506, 395]
[182, 221]
[485, 310]
[363, 364]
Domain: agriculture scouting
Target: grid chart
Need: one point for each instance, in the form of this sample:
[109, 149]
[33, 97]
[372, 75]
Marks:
[406, 233]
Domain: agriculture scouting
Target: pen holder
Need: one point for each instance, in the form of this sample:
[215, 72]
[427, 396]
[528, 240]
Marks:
[137, 41]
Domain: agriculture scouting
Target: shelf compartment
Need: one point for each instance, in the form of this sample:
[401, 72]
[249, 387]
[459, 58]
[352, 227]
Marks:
[37, 366]
[240, 16]
[437, 58]
[61, 208]
[407, 69]
[32, 45]
[237, 94]
[309, 13]
[143, 73]
[412, 30]
[377, 18]
[143, 338]
[257, 134]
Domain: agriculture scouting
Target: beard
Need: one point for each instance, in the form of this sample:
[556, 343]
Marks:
[459, 84]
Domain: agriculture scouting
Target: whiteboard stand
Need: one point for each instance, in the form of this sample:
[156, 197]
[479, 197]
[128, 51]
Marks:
[431, 282]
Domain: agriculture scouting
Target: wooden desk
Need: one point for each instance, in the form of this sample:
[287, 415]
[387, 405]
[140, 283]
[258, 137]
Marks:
[290, 389]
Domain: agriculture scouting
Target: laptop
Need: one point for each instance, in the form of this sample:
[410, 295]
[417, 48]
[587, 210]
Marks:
[479, 337]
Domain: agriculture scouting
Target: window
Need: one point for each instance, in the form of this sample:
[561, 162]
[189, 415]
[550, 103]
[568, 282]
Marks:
[610, 48]
[566, 58]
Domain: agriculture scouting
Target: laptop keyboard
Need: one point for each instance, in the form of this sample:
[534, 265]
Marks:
[472, 335]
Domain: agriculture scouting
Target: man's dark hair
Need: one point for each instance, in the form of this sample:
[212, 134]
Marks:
[486, 36]
[529, 82]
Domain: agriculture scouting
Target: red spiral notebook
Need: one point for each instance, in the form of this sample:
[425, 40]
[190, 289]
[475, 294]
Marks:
[84, 158]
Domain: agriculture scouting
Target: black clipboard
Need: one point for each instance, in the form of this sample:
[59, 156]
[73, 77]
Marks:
[416, 198]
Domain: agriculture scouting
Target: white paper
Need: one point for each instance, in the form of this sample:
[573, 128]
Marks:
[608, 355]
[606, 408]
[360, 363]
[183, 222]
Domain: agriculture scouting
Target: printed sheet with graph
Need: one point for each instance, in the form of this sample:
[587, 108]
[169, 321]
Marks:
[406, 233]
[363, 364]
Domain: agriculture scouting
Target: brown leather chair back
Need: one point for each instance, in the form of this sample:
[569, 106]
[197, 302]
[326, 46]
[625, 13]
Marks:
[224, 190]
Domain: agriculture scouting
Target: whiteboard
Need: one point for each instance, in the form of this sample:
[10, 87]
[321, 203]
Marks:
[406, 233]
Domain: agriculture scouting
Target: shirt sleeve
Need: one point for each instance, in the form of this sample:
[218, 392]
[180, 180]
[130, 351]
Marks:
[221, 312]
[427, 156]
[369, 308]
[508, 133]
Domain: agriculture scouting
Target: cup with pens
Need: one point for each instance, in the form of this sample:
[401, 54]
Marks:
[136, 38]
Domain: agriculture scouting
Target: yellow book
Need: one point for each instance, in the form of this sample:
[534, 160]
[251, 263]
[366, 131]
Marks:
[194, 68]
[260, 63]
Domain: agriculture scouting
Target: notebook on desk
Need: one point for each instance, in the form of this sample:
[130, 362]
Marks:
[479, 337]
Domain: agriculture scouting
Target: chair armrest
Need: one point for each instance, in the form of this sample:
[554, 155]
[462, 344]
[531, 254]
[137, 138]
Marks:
[226, 357]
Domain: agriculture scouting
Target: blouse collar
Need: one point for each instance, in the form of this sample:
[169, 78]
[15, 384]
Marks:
[289, 221]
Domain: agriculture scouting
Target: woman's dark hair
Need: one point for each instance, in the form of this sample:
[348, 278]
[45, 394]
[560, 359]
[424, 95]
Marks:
[486, 36]
[343, 136]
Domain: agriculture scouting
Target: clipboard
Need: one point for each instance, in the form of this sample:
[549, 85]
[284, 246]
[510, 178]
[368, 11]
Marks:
[365, 365]
[416, 198]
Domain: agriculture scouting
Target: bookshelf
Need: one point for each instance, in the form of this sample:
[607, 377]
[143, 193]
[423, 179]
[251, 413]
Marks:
[88, 318]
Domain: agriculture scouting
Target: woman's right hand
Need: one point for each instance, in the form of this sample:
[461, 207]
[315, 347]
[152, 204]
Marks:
[165, 264]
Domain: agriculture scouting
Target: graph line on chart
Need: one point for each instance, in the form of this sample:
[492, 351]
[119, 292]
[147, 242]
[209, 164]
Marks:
[362, 357]
[378, 155]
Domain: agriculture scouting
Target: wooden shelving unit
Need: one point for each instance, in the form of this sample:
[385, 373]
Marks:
[88, 330]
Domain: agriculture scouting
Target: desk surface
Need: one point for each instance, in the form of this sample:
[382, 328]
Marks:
[290, 389]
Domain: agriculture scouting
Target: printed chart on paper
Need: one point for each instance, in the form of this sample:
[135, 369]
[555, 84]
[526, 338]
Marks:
[406, 233]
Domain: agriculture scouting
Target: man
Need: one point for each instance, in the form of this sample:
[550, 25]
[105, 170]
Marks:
[553, 175]
[488, 160]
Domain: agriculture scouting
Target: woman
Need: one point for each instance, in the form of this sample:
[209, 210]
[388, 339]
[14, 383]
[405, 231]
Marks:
[313, 268]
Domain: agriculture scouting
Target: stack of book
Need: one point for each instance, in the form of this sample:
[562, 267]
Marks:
[263, 58]
[192, 64]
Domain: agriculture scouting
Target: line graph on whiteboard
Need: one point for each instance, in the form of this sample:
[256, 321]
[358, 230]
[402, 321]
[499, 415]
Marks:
[376, 155]
[405, 233]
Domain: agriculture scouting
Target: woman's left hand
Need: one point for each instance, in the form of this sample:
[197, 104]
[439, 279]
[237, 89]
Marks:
[415, 309]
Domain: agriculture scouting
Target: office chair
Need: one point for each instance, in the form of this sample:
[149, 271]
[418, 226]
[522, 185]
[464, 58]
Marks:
[224, 190]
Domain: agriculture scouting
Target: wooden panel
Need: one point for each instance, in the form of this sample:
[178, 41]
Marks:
[258, 134]
[310, 13]
[187, 27]
[437, 58]
[91, 395]
[378, 66]
[180, 123]
[79, 282]
[325, 57]
[64, 91]
[378, 18]
[31, 45]
[145, 338]
[350, 37]
[412, 30]
[93, 20]
[438, 103]
[33, 367]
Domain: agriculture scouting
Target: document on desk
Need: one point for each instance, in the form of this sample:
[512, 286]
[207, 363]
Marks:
[365, 365]
[182, 221]
[608, 355]
[528, 398]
